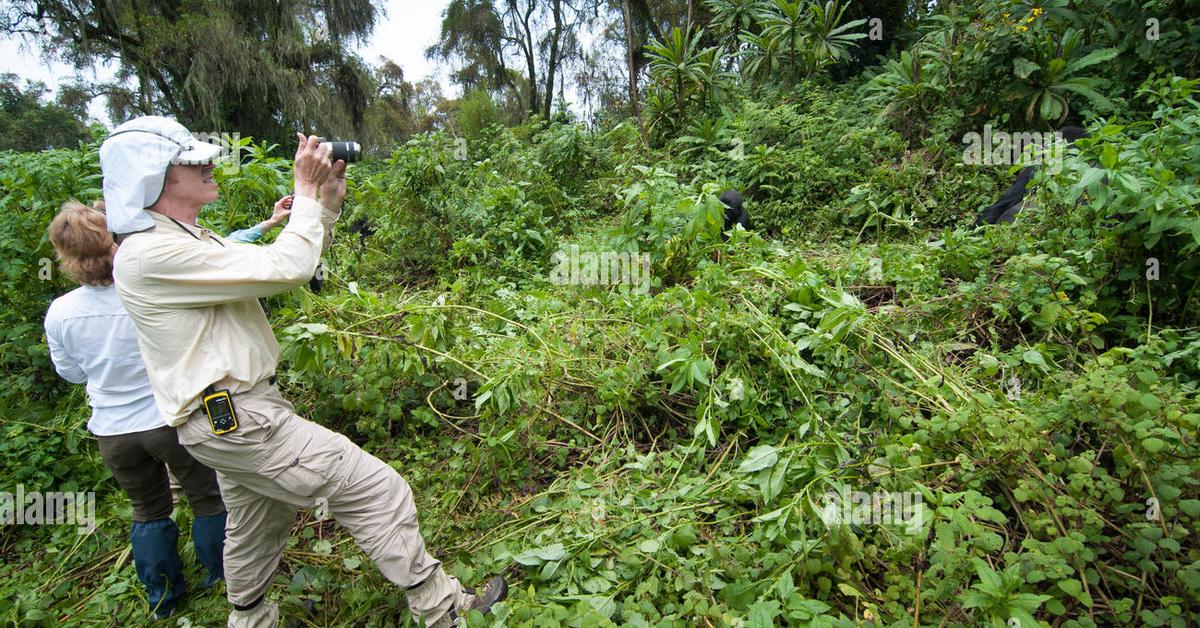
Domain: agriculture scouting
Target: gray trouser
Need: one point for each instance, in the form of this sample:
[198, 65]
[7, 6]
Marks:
[139, 462]
[277, 462]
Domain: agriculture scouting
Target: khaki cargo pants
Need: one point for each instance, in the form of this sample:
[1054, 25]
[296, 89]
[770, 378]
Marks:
[277, 462]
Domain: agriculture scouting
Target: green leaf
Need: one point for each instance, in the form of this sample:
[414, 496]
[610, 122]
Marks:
[650, 546]
[596, 584]
[1108, 156]
[1092, 58]
[785, 586]
[1023, 617]
[540, 555]
[975, 599]
[1032, 356]
[759, 458]
[849, 590]
[763, 614]
[1023, 67]
[1071, 587]
[988, 577]
[772, 484]
[1027, 601]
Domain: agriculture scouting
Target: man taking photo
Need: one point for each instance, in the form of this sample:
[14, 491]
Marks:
[211, 355]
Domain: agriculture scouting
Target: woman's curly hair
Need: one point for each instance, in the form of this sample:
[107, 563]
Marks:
[85, 247]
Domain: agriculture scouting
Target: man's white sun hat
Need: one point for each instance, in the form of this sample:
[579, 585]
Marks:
[134, 160]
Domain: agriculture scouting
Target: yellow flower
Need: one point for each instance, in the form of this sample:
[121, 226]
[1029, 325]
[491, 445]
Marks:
[1038, 11]
[1022, 28]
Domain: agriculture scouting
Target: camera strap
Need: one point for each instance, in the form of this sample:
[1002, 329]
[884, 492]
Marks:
[189, 232]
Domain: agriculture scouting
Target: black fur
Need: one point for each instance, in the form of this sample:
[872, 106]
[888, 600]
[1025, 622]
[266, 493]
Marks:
[735, 213]
[1005, 209]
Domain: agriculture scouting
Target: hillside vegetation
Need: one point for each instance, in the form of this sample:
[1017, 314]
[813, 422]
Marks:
[665, 454]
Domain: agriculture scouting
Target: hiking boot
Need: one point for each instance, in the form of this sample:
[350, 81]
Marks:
[492, 592]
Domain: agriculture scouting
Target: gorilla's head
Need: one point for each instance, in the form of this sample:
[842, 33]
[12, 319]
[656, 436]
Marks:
[1072, 133]
[732, 199]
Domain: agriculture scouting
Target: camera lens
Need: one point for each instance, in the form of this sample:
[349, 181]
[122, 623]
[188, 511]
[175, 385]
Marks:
[348, 152]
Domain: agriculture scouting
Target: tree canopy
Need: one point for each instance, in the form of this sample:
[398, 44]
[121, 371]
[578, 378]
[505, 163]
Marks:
[255, 67]
[29, 122]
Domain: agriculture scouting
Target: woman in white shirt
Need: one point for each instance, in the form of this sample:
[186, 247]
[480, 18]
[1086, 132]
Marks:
[93, 340]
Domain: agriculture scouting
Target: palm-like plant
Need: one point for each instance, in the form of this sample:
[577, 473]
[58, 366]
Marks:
[905, 89]
[731, 17]
[830, 43]
[786, 23]
[806, 34]
[1055, 76]
[762, 57]
[680, 65]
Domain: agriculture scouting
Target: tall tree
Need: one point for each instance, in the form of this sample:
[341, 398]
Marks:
[28, 122]
[553, 59]
[472, 33]
[257, 67]
[519, 15]
[631, 56]
[541, 35]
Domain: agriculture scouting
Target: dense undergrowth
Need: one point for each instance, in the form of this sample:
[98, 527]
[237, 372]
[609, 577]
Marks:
[665, 456]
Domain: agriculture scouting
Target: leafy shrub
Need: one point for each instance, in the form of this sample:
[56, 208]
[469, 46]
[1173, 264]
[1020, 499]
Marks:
[32, 189]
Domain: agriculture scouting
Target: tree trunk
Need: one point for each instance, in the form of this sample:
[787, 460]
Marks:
[522, 36]
[643, 11]
[530, 59]
[553, 60]
[634, 98]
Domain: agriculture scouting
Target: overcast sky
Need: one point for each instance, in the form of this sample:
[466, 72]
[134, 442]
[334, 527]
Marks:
[403, 34]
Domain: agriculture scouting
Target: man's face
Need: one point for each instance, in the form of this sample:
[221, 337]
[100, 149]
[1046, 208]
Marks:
[190, 185]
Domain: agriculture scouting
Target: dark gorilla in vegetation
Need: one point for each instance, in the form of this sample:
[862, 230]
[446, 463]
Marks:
[735, 214]
[1010, 203]
[363, 229]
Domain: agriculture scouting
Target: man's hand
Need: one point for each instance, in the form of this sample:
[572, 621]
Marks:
[283, 209]
[312, 167]
[333, 191]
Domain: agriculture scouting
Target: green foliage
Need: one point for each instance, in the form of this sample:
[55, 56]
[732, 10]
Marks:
[476, 112]
[1056, 73]
[1129, 199]
[1028, 63]
[254, 69]
[249, 187]
[27, 123]
[32, 188]
[685, 74]
[809, 33]
[905, 92]
[679, 452]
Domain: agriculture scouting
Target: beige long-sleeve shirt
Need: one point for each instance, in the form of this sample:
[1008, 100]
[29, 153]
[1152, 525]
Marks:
[194, 299]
